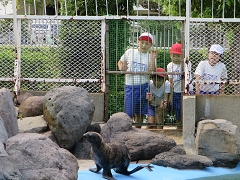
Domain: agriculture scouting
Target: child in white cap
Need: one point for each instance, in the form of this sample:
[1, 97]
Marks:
[211, 72]
[136, 85]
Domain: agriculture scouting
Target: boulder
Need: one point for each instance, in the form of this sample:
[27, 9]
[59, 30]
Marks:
[180, 161]
[82, 150]
[32, 125]
[9, 169]
[3, 132]
[142, 144]
[8, 112]
[32, 106]
[219, 140]
[23, 97]
[68, 111]
[38, 157]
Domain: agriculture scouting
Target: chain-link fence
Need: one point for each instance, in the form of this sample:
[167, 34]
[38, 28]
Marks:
[54, 53]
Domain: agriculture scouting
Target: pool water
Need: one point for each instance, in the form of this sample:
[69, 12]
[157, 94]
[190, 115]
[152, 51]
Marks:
[164, 173]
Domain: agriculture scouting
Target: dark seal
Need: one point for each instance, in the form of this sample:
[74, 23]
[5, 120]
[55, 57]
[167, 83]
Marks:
[109, 156]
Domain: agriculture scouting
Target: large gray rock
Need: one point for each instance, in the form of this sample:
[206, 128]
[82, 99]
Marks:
[2, 150]
[8, 169]
[32, 106]
[180, 161]
[39, 158]
[3, 132]
[142, 144]
[219, 140]
[8, 113]
[68, 111]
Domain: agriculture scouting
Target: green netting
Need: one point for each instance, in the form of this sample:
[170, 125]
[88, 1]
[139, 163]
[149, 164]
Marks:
[123, 34]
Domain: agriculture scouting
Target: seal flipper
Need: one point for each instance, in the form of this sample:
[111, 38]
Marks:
[138, 168]
[107, 174]
[96, 170]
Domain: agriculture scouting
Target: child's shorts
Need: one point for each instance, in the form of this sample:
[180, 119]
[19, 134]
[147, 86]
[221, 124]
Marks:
[135, 101]
[151, 110]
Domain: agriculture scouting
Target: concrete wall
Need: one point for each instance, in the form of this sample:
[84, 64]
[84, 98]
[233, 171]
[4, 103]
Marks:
[208, 107]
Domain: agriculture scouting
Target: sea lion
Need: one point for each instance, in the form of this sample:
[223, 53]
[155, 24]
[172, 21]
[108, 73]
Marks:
[109, 156]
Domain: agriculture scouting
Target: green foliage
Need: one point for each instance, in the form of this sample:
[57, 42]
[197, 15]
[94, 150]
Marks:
[118, 34]
[37, 62]
[99, 9]
[171, 7]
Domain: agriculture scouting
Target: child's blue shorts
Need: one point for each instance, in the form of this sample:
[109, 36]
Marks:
[135, 101]
[151, 110]
[176, 105]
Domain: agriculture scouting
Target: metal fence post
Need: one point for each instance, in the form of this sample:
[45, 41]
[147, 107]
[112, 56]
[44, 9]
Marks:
[17, 45]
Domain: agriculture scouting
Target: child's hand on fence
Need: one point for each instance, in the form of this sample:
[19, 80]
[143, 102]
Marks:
[153, 54]
[123, 65]
[149, 96]
[164, 104]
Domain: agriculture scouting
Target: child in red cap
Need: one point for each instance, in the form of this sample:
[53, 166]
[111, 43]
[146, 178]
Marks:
[175, 80]
[136, 85]
[159, 90]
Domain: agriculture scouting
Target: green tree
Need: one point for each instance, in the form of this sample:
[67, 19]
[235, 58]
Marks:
[90, 7]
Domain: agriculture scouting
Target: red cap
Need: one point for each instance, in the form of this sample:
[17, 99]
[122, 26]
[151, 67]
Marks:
[161, 70]
[146, 37]
[176, 49]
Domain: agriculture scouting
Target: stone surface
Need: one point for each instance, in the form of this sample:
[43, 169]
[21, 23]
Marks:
[23, 96]
[9, 170]
[3, 132]
[219, 140]
[68, 111]
[179, 161]
[38, 157]
[142, 144]
[8, 112]
[32, 106]
[32, 125]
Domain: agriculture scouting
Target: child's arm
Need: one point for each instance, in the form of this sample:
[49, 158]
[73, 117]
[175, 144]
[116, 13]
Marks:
[197, 84]
[171, 90]
[222, 87]
[152, 63]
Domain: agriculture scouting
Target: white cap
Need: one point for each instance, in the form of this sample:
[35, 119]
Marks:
[146, 36]
[216, 48]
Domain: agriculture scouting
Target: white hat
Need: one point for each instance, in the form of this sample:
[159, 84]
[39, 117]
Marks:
[216, 48]
[146, 36]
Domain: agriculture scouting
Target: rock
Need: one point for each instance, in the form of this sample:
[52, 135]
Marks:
[219, 140]
[32, 125]
[82, 150]
[142, 144]
[2, 151]
[94, 127]
[3, 132]
[38, 157]
[23, 97]
[32, 106]
[50, 135]
[178, 150]
[179, 161]
[8, 113]
[9, 169]
[68, 111]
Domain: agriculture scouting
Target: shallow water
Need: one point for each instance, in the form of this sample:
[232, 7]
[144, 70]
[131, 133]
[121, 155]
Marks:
[163, 173]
